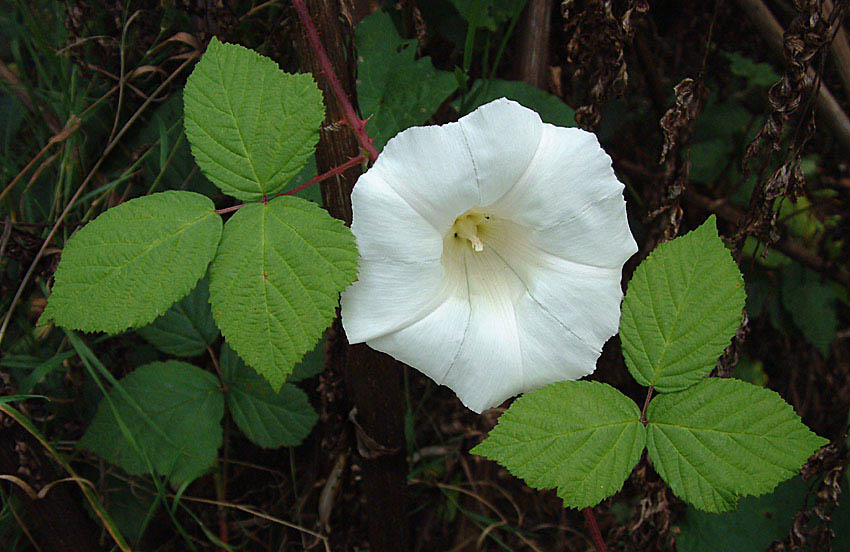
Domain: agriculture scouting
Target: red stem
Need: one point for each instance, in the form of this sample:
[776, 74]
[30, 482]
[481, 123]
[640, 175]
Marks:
[595, 534]
[356, 123]
[333, 172]
[315, 180]
[645, 404]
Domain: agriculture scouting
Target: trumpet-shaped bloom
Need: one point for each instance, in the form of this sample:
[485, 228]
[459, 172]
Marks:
[491, 253]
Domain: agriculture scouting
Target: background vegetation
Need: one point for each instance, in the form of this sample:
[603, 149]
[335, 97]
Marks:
[704, 108]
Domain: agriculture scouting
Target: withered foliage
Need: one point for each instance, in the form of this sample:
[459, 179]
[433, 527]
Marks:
[596, 50]
[678, 125]
[830, 463]
[793, 95]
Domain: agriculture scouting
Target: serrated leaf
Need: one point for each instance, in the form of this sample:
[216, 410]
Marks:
[269, 419]
[176, 421]
[275, 281]
[581, 437]
[187, 327]
[755, 524]
[250, 125]
[724, 438]
[311, 364]
[131, 263]
[550, 108]
[682, 308]
[393, 89]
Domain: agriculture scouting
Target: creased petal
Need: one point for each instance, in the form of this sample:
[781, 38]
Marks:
[502, 137]
[570, 184]
[585, 299]
[387, 227]
[598, 235]
[390, 295]
[430, 168]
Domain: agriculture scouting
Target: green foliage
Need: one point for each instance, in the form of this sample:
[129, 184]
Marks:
[275, 280]
[132, 262]
[550, 108]
[312, 363]
[251, 126]
[394, 89]
[267, 418]
[582, 437]
[187, 327]
[723, 438]
[682, 307]
[170, 166]
[712, 440]
[756, 74]
[811, 302]
[755, 524]
[487, 14]
[167, 414]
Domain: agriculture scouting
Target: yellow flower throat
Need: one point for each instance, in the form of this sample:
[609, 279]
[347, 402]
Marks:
[466, 227]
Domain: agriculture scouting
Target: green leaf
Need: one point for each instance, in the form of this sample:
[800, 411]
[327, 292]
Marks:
[275, 280]
[682, 307]
[550, 108]
[134, 261]
[187, 327]
[755, 524]
[811, 302]
[583, 437]
[757, 74]
[393, 89]
[724, 438]
[251, 126]
[173, 414]
[312, 364]
[267, 418]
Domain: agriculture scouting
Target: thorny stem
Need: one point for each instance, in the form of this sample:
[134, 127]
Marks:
[315, 180]
[595, 534]
[356, 123]
[645, 404]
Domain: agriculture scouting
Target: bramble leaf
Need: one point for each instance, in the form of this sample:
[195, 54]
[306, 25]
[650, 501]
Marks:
[130, 264]
[267, 418]
[187, 327]
[275, 280]
[393, 89]
[724, 438]
[250, 125]
[682, 308]
[175, 421]
[582, 437]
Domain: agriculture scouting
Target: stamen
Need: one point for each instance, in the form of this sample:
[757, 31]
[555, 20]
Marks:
[465, 227]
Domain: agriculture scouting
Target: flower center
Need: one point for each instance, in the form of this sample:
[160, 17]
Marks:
[466, 227]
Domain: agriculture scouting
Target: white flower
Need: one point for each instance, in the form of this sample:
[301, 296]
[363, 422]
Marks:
[491, 253]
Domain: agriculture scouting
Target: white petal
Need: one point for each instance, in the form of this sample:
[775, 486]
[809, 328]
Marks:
[599, 235]
[387, 227]
[431, 344]
[570, 183]
[431, 169]
[502, 137]
[585, 299]
[550, 351]
[390, 295]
